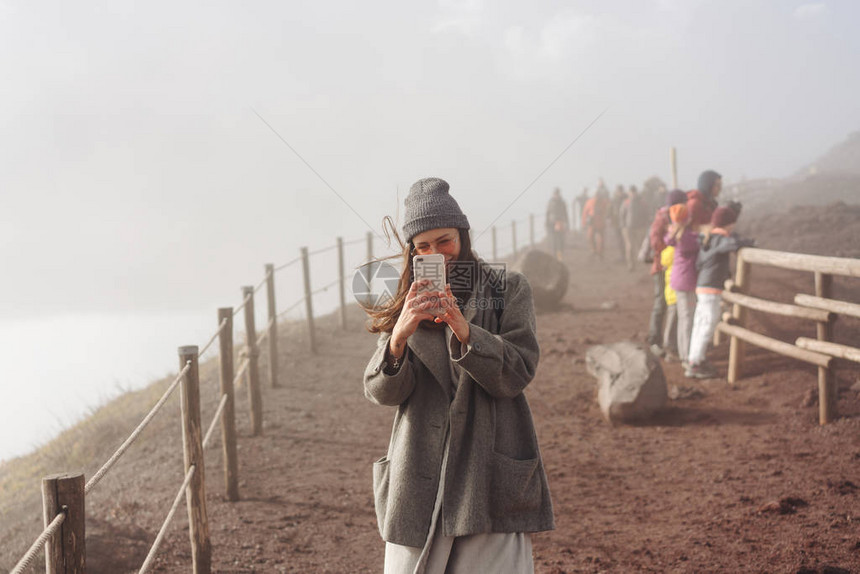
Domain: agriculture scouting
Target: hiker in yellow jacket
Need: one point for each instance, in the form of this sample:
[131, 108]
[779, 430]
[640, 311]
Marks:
[670, 329]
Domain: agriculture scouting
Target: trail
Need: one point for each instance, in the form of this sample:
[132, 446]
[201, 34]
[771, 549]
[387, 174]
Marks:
[681, 494]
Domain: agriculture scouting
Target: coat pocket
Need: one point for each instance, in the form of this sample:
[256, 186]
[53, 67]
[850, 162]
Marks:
[380, 489]
[516, 485]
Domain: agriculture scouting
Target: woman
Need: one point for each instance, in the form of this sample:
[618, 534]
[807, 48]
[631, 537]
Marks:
[463, 483]
[683, 280]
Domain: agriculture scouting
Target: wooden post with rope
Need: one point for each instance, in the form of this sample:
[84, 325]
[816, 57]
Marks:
[252, 353]
[192, 449]
[826, 377]
[309, 303]
[228, 417]
[273, 325]
[65, 551]
[341, 273]
[742, 282]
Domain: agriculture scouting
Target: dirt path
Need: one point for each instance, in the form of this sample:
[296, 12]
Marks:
[687, 493]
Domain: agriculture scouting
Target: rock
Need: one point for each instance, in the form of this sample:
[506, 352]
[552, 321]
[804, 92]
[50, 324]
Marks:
[785, 505]
[547, 276]
[631, 386]
[608, 305]
[678, 393]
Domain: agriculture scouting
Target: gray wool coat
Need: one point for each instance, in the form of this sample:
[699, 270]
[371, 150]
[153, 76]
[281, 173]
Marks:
[495, 479]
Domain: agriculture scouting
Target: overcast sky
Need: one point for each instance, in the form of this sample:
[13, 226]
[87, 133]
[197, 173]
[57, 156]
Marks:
[136, 175]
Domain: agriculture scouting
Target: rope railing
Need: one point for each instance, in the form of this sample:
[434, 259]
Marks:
[326, 288]
[243, 366]
[323, 249]
[215, 420]
[27, 560]
[288, 263]
[320, 250]
[261, 284]
[213, 339]
[264, 333]
[242, 306]
[133, 436]
[153, 550]
[291, 307]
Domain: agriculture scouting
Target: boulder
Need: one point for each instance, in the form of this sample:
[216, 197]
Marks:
[631, 386]
[547, 276]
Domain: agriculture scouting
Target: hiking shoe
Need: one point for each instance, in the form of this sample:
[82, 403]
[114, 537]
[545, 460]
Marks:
[656, 350]
[701, 371]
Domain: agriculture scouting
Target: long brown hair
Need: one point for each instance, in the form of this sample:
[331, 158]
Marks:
[383, 319]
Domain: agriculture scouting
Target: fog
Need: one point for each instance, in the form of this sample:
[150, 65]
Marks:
[139, 178]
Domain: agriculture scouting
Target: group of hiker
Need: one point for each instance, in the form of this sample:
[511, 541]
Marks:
[687, 244]
[626, 213]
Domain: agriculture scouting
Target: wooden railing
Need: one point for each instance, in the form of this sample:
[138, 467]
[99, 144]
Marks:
[820, 308]
[63, 495]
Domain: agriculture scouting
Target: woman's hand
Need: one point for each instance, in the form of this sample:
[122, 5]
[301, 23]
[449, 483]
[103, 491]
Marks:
[414, 311]
[452, 315]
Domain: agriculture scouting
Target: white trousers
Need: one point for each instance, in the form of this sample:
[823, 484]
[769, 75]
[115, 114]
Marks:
[686, 307]
[704, 322]
[499, 553]
[495, 552]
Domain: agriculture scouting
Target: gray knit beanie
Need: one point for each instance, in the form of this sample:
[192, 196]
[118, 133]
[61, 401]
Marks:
[430, 206]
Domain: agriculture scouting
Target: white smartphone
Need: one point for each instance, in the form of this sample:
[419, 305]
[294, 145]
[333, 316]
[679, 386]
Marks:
[432, 268]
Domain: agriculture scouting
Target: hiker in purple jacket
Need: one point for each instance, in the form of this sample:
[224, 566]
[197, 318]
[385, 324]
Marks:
[686, 243]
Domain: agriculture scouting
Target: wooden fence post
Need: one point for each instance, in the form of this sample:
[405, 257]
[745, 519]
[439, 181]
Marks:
[495, 252]
[826, 377]
[514, 236]
[195, 494]
[252, 353]
[65, 552]
[532, 229]
[309, 303]
[743, 278]
[342, 275]
[228, 416]
[273, 325]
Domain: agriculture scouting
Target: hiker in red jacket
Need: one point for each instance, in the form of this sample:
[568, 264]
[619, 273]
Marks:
[702, 202]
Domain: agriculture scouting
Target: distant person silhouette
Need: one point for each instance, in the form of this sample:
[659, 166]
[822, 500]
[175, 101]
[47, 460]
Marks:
[557, 222]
